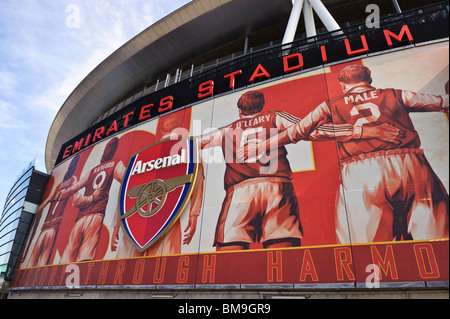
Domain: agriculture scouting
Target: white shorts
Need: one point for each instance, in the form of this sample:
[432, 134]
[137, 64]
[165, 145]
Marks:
[43, 248]
[391, 195]
[84, 239]
[259, 210]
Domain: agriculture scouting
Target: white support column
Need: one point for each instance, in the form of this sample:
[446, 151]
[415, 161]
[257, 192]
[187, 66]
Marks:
[177, 76]
[308, 15]
[397, 6]
[293, 22]
[166, 84]
[246, 45]
[324, 15]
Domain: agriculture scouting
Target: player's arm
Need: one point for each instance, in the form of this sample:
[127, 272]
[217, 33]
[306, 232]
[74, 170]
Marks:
[309, 129]
[419, 102]
[314, 127]
[325, 132]
[81, 201]
[119, 172]
[74, 188]
[53, 195]
[348, 132]
[302, 129]
[284, 120]
[211, 139]
[196, 206]
[293, 129]
[340, 132]
[293, 134]
[197, 193]
[115, 232]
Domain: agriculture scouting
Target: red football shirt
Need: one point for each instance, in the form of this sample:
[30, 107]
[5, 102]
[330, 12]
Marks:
[367, 106]
[57, 205]
[257, 128]
[101, 177]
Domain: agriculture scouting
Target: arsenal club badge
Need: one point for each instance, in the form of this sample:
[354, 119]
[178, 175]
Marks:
[156, 188]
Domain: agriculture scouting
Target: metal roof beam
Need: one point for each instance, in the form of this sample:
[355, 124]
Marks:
[293, 22]
[308, 6]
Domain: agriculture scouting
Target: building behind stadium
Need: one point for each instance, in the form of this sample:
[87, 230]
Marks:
[162, 181]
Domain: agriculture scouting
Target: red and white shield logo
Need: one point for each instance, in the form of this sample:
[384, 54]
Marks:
[156, 188]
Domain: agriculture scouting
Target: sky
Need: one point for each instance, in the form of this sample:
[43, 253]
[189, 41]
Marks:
[47, 47]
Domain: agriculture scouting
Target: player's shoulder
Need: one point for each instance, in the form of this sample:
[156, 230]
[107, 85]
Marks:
[338, 98]
[386, 90]
[390, 93]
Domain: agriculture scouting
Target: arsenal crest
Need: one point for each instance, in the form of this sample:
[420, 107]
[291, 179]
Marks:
[156, 188]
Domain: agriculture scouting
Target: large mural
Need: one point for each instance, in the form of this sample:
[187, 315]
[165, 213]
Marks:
[325, 178]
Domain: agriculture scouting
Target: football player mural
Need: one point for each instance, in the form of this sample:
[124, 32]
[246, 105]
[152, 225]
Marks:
[354, 153]
[390, 190]
[261, 205]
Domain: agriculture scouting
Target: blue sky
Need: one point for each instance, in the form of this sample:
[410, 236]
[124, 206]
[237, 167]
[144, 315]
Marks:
[46, 49]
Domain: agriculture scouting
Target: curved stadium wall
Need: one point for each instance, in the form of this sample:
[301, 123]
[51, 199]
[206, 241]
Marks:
[172, 207]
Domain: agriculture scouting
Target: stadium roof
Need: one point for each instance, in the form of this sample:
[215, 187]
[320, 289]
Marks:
[193, 30]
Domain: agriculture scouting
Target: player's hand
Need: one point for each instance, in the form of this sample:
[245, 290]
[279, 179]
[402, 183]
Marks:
[98, 193]
[78, 199]
[384, 132]
[115, 238]
[190, 230]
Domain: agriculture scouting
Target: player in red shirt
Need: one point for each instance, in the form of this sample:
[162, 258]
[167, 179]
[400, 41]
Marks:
[42, 251]
[260, 203]
[391, 191]
[83, 240]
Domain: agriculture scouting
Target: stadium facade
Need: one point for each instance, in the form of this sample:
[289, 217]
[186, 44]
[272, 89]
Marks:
[16, 218]
[253, 149]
